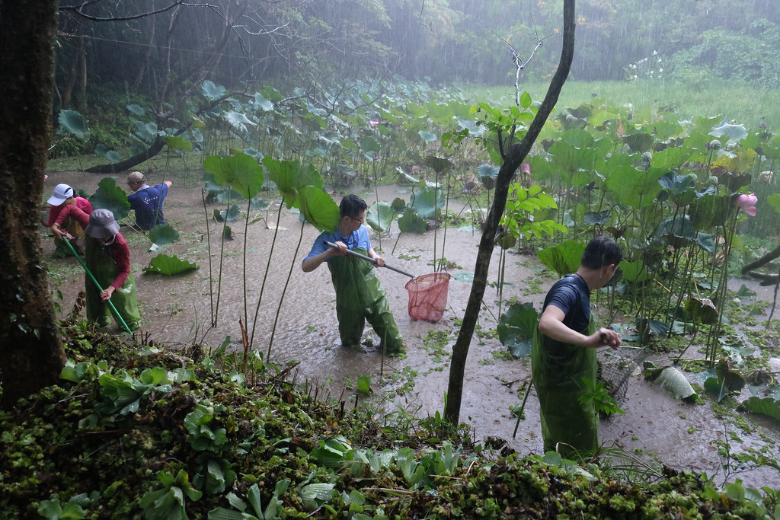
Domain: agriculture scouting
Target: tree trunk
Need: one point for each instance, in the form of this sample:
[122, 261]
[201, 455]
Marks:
[512, 162]
[31, 355]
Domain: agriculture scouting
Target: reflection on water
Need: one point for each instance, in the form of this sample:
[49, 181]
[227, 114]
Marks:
[177, 311]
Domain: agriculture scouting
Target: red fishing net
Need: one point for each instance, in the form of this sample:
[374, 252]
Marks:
[428, 296]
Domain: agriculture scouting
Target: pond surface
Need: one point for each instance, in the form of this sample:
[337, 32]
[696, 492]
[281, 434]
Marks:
[177, 311]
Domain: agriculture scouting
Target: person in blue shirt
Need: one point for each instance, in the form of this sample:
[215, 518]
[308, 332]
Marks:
[564, 353]
[147, 201]
[359, 294]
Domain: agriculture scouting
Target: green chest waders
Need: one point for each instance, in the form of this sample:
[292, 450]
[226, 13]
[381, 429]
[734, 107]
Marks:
[568, 426]
[360, 297]
[104, 269]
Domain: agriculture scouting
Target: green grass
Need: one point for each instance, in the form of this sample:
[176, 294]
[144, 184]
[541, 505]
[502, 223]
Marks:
[741, 103]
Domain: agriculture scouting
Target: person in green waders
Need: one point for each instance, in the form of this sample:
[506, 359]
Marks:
[564, 352]
[359, 295]
[108, 259]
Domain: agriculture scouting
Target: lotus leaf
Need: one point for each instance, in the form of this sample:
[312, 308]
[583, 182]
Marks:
[593, 218]
[211, 91]
[239, 171]
[632, 187]
[674, 382]
[427, 202]
[635, 272]
[563, 258]
[111, 197]
[146, 132]
[410, 222]
[163, 234]
[177, 142]
[164, 264]
[290, 177]
[135, 110]
[428, 137]
[318, 208]
[701, 310]
[380, 216]
[516, 328]
[438, 164]
[231, 214]
[710, 211]
[73, 123]
[767, 406]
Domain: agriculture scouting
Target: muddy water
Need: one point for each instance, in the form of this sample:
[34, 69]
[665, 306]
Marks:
[177, 311]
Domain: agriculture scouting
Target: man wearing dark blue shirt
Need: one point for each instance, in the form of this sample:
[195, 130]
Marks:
[564, 352]
[147, 201]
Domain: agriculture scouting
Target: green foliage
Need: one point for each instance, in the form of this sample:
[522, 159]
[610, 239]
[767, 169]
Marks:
[169, 265]
[598, 394]
[111, 197]
[170, 502]
[516, 328]
[163, 234]
[563, 258]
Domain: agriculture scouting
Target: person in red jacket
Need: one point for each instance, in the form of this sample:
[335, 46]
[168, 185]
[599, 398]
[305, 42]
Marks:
[63, 197]
[108, 259]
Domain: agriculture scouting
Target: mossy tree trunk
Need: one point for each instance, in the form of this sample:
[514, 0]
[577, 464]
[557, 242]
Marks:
[512, 161]
[31, 354]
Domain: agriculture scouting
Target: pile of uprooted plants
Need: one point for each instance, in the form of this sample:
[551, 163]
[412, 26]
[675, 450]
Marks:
[135, 430]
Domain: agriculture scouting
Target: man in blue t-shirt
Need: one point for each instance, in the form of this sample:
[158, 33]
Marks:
[563, 358]
[147, 201]
[359, 295]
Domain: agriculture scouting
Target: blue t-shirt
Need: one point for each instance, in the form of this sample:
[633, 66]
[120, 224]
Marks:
[572, 296]
[147, 203]
[356, 239]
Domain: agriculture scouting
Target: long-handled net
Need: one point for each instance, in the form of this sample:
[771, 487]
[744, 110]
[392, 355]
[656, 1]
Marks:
[428, 296]
[617, 366]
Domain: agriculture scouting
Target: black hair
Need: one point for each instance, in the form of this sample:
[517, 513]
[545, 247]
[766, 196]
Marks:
[352, 206]
[601, 252]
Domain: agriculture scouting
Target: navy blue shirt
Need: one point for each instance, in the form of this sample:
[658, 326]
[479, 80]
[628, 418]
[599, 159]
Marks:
[147, 203]
[572, 296]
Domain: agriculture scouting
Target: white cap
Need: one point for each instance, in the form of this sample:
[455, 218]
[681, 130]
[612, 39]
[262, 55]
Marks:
[62, 192]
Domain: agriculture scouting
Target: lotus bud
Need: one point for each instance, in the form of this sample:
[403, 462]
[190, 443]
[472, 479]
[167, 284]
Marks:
[713, 145]
[747, 203]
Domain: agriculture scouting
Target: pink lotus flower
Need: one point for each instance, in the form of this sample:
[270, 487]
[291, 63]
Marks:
[526, 168]
[373, 123]
[45, 178]
[747, 203]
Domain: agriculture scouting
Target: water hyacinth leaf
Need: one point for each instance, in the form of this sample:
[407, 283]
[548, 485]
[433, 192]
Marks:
[169, 265]
[564, 258]
[135, 110]
[427, 202]
[674, 382]
[318, 208]
[438, 164]
[766, 406]
[380, 216]
[239, 171]
[111, 197]
[291, 176]
[211, 91]
[72, 123]
[163, 234]
[516, 328]
[177, 142]
[410, 222]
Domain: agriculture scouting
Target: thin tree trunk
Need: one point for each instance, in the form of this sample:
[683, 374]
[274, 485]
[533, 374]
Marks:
[512, 162]
[31, 355]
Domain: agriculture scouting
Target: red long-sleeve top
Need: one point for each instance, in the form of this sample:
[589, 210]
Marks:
[119, 250]
[82, 203]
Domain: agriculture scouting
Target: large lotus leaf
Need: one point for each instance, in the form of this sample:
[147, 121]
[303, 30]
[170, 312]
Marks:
[709, 211]
[739, 162]
[410, 222]
[164, 234]
[767, 406]
[639, 142]
[428, 137]
[516, 328]
[177, 142]
[674, 382]
[398, 205]
[240, 172]
[577, 137]
[427, 202]
[164, 264]
[438, 164]
[211, 91]
[632, 187]
[408, 179]
[369, 146]
[701, 310]
[564, 258]
[147, 132]
[72, 123]
[379, 216]
[666, 129]
[318, 208]
[261, 103]
[735, 132]
[231, 214]
[111, 197]
[594, 218]
[635, 272]
[572, 163]
[291, 176]
[677, 230]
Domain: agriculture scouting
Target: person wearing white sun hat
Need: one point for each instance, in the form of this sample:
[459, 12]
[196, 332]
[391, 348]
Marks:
[108, 259]
[62, 197]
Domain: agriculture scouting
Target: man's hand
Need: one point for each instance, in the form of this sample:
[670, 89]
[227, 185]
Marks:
[606, 337]
[106, 294]
[341, 251]
[380, 262]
